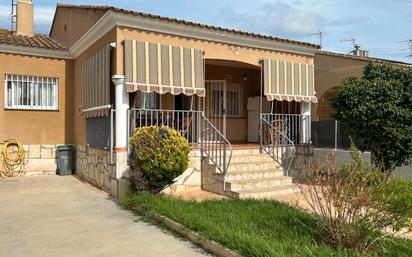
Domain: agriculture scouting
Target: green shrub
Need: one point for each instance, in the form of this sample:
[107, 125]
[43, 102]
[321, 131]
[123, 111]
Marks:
[161, 154]
[396, 197]
[357, 203]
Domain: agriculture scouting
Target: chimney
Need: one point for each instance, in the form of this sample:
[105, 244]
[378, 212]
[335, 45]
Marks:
[24, 17]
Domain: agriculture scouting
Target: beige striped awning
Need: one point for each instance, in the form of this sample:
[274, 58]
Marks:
[160, 68]
[288, 81]
[96, 83]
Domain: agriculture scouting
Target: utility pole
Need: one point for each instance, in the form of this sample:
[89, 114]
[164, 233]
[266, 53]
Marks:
[317, 34]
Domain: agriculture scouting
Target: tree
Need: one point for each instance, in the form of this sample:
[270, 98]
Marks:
[376, 110]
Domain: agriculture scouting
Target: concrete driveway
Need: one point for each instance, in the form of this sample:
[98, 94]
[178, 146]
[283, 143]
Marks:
[62, 216]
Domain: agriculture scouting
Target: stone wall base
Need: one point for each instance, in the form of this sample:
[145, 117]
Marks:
[41, 159]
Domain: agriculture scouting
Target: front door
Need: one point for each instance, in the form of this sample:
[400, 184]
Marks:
[215, 103]
[223, 104]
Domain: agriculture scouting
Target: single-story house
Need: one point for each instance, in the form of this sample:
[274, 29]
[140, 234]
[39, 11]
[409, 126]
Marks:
[243, 100]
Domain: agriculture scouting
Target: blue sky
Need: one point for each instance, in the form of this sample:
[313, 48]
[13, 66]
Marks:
[377, 25]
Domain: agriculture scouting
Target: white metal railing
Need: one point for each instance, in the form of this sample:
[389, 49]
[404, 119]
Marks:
[187, 123]
[216, 147]
[280, 133]
[194, 126]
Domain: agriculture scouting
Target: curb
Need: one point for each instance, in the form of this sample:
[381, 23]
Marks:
[209, 245]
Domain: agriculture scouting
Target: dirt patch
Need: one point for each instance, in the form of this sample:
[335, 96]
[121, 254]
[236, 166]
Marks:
[196, 194]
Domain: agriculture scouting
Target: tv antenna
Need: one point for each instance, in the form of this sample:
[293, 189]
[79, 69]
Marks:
[317, 34]
[409, 49]
[13, 15]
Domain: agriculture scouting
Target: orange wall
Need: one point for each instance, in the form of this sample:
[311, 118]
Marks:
[34, 127]
[70, 24]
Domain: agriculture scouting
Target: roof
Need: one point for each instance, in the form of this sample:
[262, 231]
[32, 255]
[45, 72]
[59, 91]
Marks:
[37, 40]
[380, 60]
[189, 23]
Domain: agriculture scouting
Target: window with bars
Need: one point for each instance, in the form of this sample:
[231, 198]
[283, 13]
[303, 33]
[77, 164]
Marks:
[30, 92]
[234, 100]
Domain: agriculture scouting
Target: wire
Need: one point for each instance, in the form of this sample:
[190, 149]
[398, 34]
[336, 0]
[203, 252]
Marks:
[13, 161]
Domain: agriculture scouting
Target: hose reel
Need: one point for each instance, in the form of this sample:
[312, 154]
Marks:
[13, 158]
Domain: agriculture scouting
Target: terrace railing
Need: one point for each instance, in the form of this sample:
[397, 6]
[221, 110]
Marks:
[187, 123]
[280, 133]
[194, 126]
[216, 147]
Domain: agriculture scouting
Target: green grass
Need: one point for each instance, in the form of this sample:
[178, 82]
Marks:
[252, 227]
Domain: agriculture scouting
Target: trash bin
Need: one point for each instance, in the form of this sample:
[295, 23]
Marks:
[65, 160]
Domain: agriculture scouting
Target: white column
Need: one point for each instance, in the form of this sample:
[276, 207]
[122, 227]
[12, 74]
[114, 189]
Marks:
[121, 106]
[306, 122]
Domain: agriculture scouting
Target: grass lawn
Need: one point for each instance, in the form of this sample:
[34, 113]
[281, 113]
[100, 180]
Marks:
[253, 227]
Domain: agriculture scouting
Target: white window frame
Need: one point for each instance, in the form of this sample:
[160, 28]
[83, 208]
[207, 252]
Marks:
[230, 87]
[31, 97]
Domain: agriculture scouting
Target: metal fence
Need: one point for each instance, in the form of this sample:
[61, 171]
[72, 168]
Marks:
[330, 134]
[290, 125]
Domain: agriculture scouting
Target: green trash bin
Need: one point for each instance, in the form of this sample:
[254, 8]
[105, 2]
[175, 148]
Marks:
[65, 165]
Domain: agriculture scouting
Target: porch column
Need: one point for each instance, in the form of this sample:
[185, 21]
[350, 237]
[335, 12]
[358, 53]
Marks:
[121, 106]
[306, 122]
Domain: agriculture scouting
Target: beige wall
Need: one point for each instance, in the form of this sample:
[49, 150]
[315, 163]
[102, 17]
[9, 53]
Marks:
[212, 50]
[329, 72]
[34, 127]
[77, 121]
[71, 23]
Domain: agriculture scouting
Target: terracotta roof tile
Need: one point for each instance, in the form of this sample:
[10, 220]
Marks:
[189, 23]
[37, 40]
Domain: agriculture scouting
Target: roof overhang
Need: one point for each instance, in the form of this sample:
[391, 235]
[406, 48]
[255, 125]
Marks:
[35, 51]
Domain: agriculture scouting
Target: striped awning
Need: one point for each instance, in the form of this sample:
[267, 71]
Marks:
[96, 83]
[289, 81]
[160, 68]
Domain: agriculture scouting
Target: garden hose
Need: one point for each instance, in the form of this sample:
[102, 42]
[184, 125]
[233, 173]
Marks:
[14, 160]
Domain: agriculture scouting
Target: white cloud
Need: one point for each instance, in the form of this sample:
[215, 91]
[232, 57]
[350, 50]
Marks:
[278, 19]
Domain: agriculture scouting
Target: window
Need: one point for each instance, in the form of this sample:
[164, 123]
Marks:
[149, 100]
[30, 92]
[234, 100]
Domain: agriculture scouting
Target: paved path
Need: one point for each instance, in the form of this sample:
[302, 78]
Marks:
[62, 216]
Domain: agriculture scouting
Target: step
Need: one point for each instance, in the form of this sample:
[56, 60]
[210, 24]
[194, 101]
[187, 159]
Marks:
[256, 183]
[253, 165]
[252, 174]
[250, 157]
[265, 193]
[246, 151]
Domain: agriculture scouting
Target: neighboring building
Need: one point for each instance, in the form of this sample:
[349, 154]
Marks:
[330, 69]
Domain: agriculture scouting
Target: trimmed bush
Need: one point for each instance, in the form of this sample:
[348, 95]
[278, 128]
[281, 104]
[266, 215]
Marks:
[160, 155]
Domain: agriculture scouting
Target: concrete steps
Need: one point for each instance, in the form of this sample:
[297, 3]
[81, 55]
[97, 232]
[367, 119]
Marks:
[255, 175]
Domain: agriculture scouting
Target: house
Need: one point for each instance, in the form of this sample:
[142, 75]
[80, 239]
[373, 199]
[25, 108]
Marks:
[104, 71]
[330, 69]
